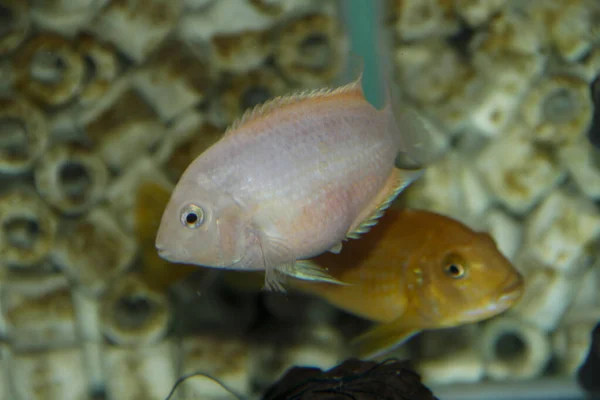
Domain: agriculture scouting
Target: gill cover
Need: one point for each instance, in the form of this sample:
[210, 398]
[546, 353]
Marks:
[230, 232]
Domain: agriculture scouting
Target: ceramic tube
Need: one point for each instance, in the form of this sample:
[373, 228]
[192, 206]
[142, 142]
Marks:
[71, 179]
[17, 27]
[27, 228]
[441, 362]
[94, 250]
[189, 136]
[419, 19]
[558, 232]
[203, 21]
[429, 70]
[318, 345]
[102, 70]
[310, 50]
[141, 372]
[546, 299]
[242, 51]
[39, 311]
[571, 344]
[49, 375]
[505, 82]
[579, 158]
[49, 69]
[465, 195]
[24, 135]
[586, 302]
[133, 314]
[514, 350]
[122, 126]
[516, 171]
[105, 67]
[175, 79]
[226, 359]
[66, 17]
[506, 231]
[192, 5]
[465, 366]
[314, 345]
[137, 30]
[568, 26]
[244, 92]
[498, 36]
[589, 68]
[6, 391]
[87, 310]
[121, 193]
[476, 13]
[559, 109]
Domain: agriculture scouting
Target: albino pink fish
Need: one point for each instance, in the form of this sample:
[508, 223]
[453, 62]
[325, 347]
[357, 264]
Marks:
[291, 179]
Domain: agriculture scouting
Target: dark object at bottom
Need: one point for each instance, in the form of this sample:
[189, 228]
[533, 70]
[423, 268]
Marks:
[353, 380]
[589, 372]
[594, 130]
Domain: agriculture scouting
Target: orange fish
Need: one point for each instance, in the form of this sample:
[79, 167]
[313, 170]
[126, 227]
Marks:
[417, 270]
[291, 179]
[151, 199]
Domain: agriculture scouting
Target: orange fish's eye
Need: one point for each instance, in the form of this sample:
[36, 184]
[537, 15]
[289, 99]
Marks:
[454, 267]
[192, 216]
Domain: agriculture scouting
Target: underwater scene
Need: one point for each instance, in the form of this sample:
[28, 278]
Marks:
[299, 199]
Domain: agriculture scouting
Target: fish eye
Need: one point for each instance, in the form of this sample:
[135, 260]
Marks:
[192, 216]
[454, 270]
[454, 267]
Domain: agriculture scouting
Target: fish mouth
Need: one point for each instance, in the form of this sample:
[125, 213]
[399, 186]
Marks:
[511, 293]
[508, 295]
[163, 253]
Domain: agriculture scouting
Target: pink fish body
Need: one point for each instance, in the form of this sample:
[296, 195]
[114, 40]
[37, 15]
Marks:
[291, 179]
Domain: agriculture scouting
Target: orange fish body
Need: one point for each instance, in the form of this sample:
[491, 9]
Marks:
[151, 199]
[291, 179]
[417, 270]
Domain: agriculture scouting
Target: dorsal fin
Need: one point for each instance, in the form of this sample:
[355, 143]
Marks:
[269, 106]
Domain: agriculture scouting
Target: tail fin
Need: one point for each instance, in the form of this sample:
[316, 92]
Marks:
[418, 138]
[419, 141]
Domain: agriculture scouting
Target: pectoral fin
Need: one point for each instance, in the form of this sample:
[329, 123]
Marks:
[275, 277]
[277, 259]
[423, 141]
[397, 182]
[381, 339]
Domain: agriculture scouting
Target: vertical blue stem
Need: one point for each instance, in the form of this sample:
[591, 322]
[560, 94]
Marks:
[363, 22]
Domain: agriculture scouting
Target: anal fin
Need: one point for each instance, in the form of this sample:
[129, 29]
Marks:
[397, 182]
[382, 339]
[307, 270]
[337, 249]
